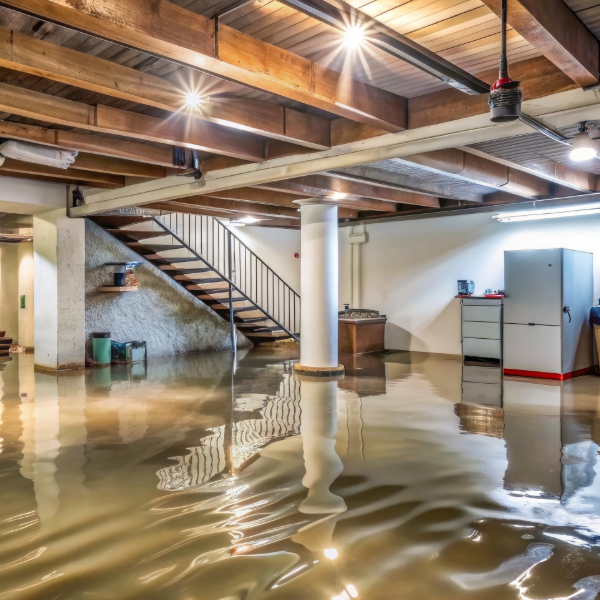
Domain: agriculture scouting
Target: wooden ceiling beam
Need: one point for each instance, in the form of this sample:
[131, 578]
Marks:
[576, 179]
[90, 142]
[333, 186]
[28, 55]
[117, 166]
[554, 29]
[264, 196]
[100, 180]
[163, 29]
[190, 133]
[473, 168]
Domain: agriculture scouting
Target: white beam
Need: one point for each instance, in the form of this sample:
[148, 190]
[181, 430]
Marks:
[557, 110]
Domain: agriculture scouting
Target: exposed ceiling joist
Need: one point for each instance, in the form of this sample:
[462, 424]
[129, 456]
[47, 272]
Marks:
[558, 111]
[553, 28]
[29, 55]
[341, 189]
[576, 179]
[473, 168]
[101, 180]
[168, 31]
[117, 166]
[193, 133]
[89, 142]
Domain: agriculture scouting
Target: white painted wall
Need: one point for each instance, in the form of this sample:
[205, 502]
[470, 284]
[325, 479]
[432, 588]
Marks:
[410, 268]
[59, 290]
[26, 315]
[276, 247]
[9, 287]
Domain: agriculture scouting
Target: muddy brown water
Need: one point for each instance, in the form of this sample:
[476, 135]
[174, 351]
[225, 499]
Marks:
[191, 479]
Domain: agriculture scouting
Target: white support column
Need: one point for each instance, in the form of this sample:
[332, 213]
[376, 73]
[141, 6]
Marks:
[59, 291]
[319, 289]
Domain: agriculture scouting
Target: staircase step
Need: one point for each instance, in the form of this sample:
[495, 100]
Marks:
[225, 301]
[153, 248]
[173, 269]
[116, 221]
[212, 291]
[196, 287]
[252, 324]
[161, 260]
[123, 234]
[278, 335]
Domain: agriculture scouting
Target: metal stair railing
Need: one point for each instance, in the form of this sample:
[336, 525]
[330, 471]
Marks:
[231, 259]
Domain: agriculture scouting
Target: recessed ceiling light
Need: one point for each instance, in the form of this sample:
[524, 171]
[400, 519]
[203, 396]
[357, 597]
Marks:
[193, 99]
[353, 36]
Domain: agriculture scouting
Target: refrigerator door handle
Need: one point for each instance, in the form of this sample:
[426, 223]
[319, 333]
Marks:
[567, 311]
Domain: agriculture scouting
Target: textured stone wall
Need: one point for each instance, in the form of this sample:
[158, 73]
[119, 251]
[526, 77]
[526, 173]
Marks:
[168, 318]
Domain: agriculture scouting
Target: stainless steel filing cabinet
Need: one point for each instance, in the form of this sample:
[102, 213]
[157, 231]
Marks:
[481, 327]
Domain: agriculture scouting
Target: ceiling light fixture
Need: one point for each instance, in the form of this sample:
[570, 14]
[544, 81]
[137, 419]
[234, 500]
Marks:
[583, 146]
[249, 220]
[338, 195]
[353, 36]
[591, 208]
[193, 99]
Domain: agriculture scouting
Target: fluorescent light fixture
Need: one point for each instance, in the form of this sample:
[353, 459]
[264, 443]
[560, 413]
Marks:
[353, 36]
[592, 208]
[249, 220]
[193, 99]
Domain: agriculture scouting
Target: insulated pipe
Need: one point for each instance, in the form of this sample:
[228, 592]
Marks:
[319, 285]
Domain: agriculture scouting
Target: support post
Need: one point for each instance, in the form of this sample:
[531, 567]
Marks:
[319, 289]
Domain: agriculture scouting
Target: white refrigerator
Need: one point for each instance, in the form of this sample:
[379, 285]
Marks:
[546, 313]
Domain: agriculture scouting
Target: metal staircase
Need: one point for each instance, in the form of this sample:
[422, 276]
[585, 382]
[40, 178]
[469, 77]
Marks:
[214, 265]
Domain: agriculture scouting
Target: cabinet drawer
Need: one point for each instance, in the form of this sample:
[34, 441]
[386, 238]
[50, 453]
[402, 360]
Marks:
[482, 348]
[491, 314]
[480, 329]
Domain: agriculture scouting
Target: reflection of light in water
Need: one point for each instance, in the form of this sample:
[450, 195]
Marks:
[330, 553]
[587, 588]
[352, 590]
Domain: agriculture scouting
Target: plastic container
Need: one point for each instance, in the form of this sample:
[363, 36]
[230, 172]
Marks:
[101, 347]
[465, 287]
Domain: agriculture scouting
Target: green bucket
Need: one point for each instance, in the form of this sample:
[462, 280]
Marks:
[101, 348]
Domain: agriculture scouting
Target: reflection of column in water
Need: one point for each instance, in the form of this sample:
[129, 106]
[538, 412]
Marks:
[532, 434]
[45, 446]
[323, 465]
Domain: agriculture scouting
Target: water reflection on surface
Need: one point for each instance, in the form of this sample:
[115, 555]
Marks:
[198, 477]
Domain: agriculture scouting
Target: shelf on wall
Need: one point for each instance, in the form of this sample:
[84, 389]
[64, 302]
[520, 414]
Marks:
[117, 289]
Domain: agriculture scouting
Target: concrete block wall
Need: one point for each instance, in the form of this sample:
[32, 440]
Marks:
[161, 313]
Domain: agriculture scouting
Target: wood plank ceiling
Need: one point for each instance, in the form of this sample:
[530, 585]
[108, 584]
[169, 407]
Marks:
[465, 32]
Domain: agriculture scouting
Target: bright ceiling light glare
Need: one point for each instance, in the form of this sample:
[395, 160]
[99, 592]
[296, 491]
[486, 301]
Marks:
[193, 100]
[352, 590]
[353, 36]
[592, 208]
[330, 553]
[249, 220]
[338, 195]
[583, 147]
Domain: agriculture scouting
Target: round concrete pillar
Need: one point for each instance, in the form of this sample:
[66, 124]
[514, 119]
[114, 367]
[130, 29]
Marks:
[319, 290]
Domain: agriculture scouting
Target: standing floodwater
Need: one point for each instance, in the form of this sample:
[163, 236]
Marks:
[194, 478]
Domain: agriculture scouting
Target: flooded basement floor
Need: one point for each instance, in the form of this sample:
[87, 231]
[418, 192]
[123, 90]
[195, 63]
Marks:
[415, 477]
